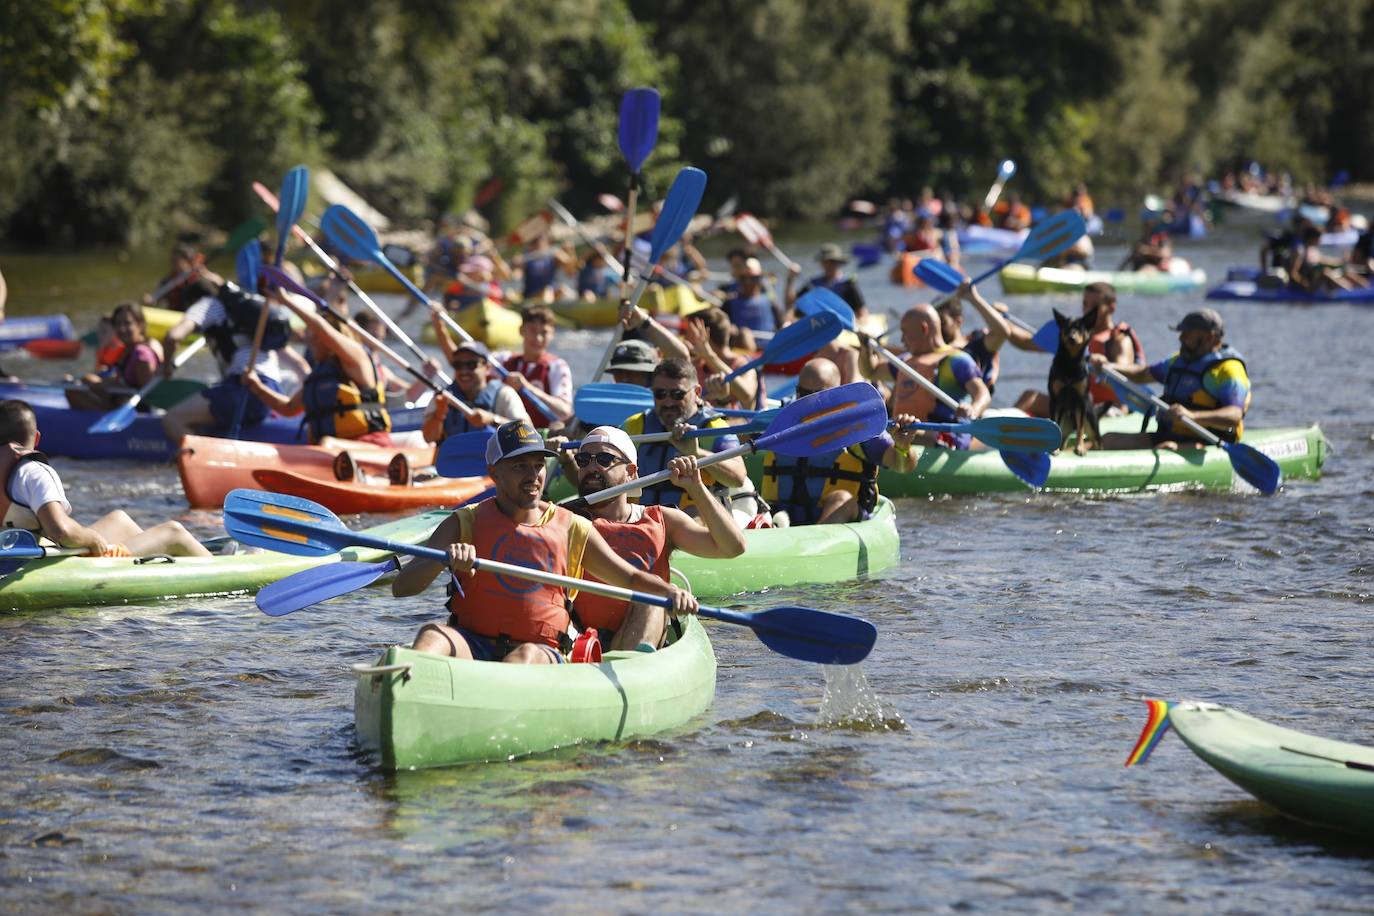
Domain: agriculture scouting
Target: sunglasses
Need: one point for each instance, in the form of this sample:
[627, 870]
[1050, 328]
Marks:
[468, 364]
[662, 394]
[604, 460]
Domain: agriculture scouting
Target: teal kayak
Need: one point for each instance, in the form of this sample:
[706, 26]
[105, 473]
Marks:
[1316, 780]
[415, 710]
[801, 555]
[80, 581]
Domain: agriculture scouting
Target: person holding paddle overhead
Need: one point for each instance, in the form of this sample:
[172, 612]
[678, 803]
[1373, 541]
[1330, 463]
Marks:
[983, 344]
[678, 409]
[1115, 340]
[137, 364]
[535, 365]
[707, 333]
[951, 370]
[186, 283]
[749, 307]
[229, 321]
[495, 618]
[344, 394]
[837, 486]
[1205, 381]
[32, 498]
[832, 277]
[643, 535]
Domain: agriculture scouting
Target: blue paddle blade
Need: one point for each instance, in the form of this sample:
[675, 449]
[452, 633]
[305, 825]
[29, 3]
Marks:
[464, 455]
[348, 233]
[821, 299]
[1255, 468]
[639, 110]
[1032, 468]
[247, 263]
[1017, 434]
[1052, 236]
[678, 209]
[610, 404]
[938, 275]
[826, 421]
[295, 190]
[785, 389]
[801, 338]
[1047, 336]
[311, 586]
[1006, 169]
[117, 420]
[286, 524]
[806, 634]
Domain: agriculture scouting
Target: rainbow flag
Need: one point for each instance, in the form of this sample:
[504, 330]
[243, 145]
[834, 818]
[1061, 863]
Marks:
[1154, 729]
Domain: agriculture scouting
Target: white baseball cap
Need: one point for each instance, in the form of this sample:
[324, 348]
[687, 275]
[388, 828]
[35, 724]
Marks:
[616, 438]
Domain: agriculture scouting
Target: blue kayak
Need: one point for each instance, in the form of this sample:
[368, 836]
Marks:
[1242, 284]
[15, 332]
[64, 429]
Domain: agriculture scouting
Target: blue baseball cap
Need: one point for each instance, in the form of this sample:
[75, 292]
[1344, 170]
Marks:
[517, 437]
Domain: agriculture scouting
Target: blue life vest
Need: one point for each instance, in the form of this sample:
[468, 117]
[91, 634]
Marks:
[755, 313]
[455, 421]
[1183, 385]
[594, 279]
[654, 456]
[799, 484]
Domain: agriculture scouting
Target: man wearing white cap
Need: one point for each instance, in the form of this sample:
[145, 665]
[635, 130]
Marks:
[644, 536]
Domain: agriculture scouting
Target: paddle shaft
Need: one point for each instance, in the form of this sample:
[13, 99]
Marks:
[640, 482]
[271, 200]
[901, 365]
[191, 350]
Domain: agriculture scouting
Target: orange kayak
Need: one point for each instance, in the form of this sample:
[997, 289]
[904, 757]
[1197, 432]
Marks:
[347, 498]
[210, 466]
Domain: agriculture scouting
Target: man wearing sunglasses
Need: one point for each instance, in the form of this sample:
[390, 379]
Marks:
[644, 536]
[492, 400]
[494, 617]
[838, 486]
[678, 409]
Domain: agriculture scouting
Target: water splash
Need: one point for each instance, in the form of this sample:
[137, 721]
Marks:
[850, 702]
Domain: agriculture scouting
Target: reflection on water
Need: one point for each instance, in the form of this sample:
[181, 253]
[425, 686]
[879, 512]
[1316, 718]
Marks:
[166, 758]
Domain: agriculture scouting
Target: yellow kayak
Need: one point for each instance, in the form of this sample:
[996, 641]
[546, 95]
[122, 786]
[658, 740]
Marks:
[494, 325]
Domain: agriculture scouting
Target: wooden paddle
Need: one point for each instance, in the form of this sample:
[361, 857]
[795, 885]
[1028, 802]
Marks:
[1031, 467]
[303, 528]
[1254, 467]
[678, 209]
[357, 241]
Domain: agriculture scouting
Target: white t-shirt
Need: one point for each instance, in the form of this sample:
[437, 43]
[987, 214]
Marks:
[560, 375]
[209, 312]
[35, 484]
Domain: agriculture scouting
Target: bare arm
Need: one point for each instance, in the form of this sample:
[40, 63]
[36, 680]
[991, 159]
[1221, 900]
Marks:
[898, 457]
[601, 561]
[65, 530]
[999, 329]
[978, 390]
[668, 343]
[417, 573]
[716, 534]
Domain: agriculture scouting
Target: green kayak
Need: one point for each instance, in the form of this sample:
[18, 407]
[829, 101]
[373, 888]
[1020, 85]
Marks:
[801, 555]
[78, 581]
[1023, 278]
[418, 710]
[1316, 780]
[940, 471]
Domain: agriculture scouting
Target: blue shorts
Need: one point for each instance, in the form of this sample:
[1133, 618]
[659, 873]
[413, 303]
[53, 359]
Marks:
[494, 648]
[227, 397]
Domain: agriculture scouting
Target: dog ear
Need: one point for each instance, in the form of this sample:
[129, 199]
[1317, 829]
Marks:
[1060, 318]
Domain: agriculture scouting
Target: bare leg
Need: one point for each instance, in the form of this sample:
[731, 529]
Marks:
[1034, 403]
[837, 508]
[169, 538]
[528, 653]
[182, 419]
[85, 399]
[643, 623]
[438, 639]
[118, 528]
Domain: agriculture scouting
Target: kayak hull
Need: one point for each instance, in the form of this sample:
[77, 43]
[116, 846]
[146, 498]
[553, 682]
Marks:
[1300, 453]
[442, 711]
[348, 498]
[494, 325]
[1242, 285]
[211, 466]
[1023, 278]
[1277, 766]
[800, 555]
[84, 581]
[18, 331]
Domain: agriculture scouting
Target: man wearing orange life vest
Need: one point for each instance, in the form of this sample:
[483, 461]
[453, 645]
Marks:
[499, 618]
[1115, 340]
[644, 535]
[951, 370]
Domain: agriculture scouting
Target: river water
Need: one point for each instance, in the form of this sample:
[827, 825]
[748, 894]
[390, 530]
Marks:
[203, 755]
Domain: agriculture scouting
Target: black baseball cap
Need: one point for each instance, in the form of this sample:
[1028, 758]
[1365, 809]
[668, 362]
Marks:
[517, 437]
[1201, 320]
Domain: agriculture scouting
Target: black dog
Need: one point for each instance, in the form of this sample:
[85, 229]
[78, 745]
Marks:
[1071, 404]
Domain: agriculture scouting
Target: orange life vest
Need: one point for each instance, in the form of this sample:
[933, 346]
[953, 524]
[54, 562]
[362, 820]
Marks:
[523, 611]
[909, 397]
[643, 544]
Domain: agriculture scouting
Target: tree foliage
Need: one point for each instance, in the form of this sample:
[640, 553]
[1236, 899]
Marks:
[126, 120]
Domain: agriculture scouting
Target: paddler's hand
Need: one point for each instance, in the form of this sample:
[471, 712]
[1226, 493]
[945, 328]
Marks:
[684, 602]
[116, 550]
[635, 318]
[1173, 416]
[698, 341]
[716, 390]
[252, 382]
[516, 380]
[964, 290]
[793, 270]
[1097, 361]
[461, 558]
[687, 475]
[963, 412]
[905, 434]
[684, 445]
